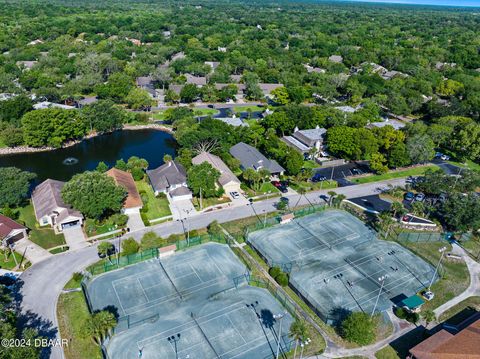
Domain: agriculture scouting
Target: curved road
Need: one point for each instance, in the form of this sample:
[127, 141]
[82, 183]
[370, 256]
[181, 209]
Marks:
[44, 281]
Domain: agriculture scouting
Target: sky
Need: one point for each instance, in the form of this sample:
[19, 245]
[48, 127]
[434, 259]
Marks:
[428, 2]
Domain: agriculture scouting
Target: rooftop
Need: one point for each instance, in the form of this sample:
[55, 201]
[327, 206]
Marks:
[169, 174]
[7, 225]
[226, 175]
[125, 179]
[250, 157]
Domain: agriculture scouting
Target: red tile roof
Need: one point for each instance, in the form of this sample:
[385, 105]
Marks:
[125, 180]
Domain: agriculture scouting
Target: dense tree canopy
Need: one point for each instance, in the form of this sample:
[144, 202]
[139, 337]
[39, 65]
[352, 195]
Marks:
[94, 194]
[14, 185]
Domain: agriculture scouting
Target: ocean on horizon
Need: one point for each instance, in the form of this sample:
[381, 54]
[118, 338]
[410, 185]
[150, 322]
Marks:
[461, 3]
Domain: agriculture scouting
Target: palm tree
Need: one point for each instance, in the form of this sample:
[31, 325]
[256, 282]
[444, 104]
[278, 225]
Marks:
[301, 191]
[386, 222]
[167, 158]
[298, 330]
[106, 322]
[332, 195]
[397, 209]
[337, 201]
[429, 317]
[104, 249]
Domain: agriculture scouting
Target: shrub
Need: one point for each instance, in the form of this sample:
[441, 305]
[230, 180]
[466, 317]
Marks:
[401, 313]
[137, 173]
[145, 220]
[359, 328]
[274, 272]
[214, 229]
[130, 246]
[151, 240]
[77, 277]
[119, 219]
[282, 279]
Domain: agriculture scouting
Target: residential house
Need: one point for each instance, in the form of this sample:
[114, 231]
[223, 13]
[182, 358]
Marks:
[268, 88]
[45, 104]
[199, 81]
[311, 69]
[445, 65]
[212, 64]
[167, 34]
[465, 344]
[221, 49]
[27, 65]
[178, 56]
[146, 83]
[87, 101]
[336, 58]
[50, 209]
[387, 122]
[35, 42]
[133, 203]
[236, 78]
[227, 180]
[170, 179]
[250, 157]
[135, 42]
[232, 121]
[305, 140]
[11, 231]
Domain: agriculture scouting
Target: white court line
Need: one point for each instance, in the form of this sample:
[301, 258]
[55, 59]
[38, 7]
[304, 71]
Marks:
[196, 274]
[143, 290]
[119, 301]
[215, 263]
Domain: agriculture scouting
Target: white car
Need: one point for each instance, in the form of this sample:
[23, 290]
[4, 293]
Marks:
[235, 195]
[428, 295]
[445, 158]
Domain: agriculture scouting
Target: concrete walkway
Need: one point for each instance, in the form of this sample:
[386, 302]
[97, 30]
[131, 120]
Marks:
[33, 252]
[135, 222]
[474, 287]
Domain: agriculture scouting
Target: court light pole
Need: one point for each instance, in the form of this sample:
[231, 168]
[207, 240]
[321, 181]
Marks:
[174, 339]
[279, 316]
[303, 345]
[441, 250]
[253, 209]
[382, 281]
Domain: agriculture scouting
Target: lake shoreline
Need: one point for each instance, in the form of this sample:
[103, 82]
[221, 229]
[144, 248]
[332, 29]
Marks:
[127, 127]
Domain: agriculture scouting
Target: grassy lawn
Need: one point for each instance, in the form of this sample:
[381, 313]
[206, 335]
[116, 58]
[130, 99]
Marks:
[314, 186]
[43, 236]
[310, 164]
[2, 144]
[414, 171]
[461, 311]
[7, 261]
[399, 348]
[59, 250]
[208, 202]
[156, 207]
[264, 189]
[205, 111]
[252, 108]
[468, 164]
[72, 312]
[455, 278]
[92, 228]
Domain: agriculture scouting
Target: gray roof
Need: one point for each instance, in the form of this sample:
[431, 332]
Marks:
[144, 81]
[88, 100]
[196, 80]
[180, 191]
[226, 175]
[392, 122]
[47, 198]
[167, 175]
[250, 157]
[176, 88]
[309, 137]
[212, 64]
[233, 121]
[27, 64]
[336, 58]
[236, 78]
[240, 87]
[268, 88]
[296, 144]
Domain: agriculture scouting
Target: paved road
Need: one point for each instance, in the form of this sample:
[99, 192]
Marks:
[44, 281]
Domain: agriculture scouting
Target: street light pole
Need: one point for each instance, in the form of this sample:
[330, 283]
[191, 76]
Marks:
[303, 345]
[174, 339]
[441, 250]
[279, 316]
[382, 280]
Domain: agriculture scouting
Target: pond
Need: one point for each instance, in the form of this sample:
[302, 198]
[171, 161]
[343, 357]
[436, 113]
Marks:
[63, 163]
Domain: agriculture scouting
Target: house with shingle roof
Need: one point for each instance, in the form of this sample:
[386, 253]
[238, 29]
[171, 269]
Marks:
[304, 140]
[170, 178]
[336, 59]
[11, 231]
[146, 83]
[227, 180]
[250, 157]
[133, 203]
[196, 80]
[51, 210]
[444, 345]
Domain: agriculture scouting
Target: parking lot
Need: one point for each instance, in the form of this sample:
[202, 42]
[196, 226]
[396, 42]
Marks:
[340, 173]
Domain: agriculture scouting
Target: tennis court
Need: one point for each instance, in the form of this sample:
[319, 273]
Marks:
[202, 294]
[337, 263]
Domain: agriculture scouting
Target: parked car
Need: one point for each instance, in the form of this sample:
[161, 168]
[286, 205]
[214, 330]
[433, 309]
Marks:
[276, 183]
[318, 178]
[420, 197]
[445, 158]
[409, 196]
[428, 295]
[283, 189]
[356, 171]
[235, 195]
[285, 199]
[111, 252]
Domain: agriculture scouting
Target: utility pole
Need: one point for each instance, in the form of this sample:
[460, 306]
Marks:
[381, 280]
[201, 204]
[441, 250]
[279, 316]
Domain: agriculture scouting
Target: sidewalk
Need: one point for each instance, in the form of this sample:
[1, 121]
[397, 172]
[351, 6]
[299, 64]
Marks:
[33, 252]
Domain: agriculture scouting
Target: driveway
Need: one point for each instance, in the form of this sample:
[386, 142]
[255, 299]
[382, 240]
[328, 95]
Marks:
[135, 222]
[33, 252]
[340, 173]
[75, 238]
[182, 209]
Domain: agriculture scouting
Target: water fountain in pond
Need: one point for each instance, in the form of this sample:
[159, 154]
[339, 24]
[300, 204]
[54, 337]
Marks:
[69, 161]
